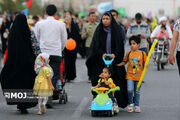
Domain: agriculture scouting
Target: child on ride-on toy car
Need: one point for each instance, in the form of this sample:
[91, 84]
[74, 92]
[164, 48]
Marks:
[107, 82]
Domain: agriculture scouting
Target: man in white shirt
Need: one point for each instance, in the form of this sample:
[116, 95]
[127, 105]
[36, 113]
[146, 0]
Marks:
[175, 42]
[52, 36]
[162, 21]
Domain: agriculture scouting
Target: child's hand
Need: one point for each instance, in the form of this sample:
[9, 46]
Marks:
[112, 56]
[121, 64]
[93, 87]
[52, 88]
[118, 65]
[101, 75]
[105, 55]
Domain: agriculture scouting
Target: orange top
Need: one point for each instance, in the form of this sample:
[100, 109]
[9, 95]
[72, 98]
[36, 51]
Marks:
[135, 64]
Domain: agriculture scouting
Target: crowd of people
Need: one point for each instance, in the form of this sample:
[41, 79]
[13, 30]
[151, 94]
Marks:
[34, 47]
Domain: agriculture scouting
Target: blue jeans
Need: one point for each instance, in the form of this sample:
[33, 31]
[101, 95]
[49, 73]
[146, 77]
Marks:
[131, 88]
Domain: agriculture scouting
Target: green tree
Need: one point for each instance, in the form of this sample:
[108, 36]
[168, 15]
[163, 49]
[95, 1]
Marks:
[8, 6]
[35, 8]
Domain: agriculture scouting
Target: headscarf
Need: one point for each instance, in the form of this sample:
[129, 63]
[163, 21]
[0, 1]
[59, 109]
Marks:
[41, 61]
[117, 46]
[108, 30]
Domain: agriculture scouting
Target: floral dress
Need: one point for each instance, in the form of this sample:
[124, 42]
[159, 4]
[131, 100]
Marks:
[42, 86]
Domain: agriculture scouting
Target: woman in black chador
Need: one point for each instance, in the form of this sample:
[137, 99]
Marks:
[4, 30]
[18, 72]
[107, 39]
[71, 56]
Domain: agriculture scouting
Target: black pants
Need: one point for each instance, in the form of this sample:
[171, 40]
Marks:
[4, 44]
[87, 52]
[178, 60]
[55, 62]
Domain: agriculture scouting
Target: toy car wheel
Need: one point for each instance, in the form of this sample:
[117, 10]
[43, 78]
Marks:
[93, 113]
[109, 113]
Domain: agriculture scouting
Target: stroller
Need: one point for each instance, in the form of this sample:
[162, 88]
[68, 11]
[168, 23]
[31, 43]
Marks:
[60, 94]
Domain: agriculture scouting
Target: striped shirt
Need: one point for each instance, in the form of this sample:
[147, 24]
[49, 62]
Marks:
[135, 29]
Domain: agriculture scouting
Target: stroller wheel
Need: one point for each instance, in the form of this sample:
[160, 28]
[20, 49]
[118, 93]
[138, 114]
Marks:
[110, 113]
[60, 101]
[64, 101]
[66, 97]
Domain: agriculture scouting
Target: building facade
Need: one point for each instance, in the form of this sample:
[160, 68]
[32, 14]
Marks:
[155, 7]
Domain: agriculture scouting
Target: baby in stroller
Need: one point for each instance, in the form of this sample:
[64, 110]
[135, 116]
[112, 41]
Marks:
[107, 82]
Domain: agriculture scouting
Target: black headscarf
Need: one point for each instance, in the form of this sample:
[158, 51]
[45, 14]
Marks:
[18, 72]
[99, 40]
[95, 63]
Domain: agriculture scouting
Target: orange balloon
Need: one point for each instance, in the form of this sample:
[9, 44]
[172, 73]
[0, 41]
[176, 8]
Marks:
[70, 44]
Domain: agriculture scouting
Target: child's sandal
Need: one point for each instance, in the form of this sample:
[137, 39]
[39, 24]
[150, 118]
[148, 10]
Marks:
[130, 108]
[137, 109]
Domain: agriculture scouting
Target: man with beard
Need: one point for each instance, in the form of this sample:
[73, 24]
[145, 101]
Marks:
[141, 29]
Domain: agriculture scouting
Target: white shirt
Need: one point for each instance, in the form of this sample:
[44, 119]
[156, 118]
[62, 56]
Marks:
[51, 35]
[158, 30]
[177, 28]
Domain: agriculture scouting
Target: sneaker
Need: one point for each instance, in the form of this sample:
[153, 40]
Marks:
[137, 109]
[130, 108]
[43, 109]
[39, 113]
